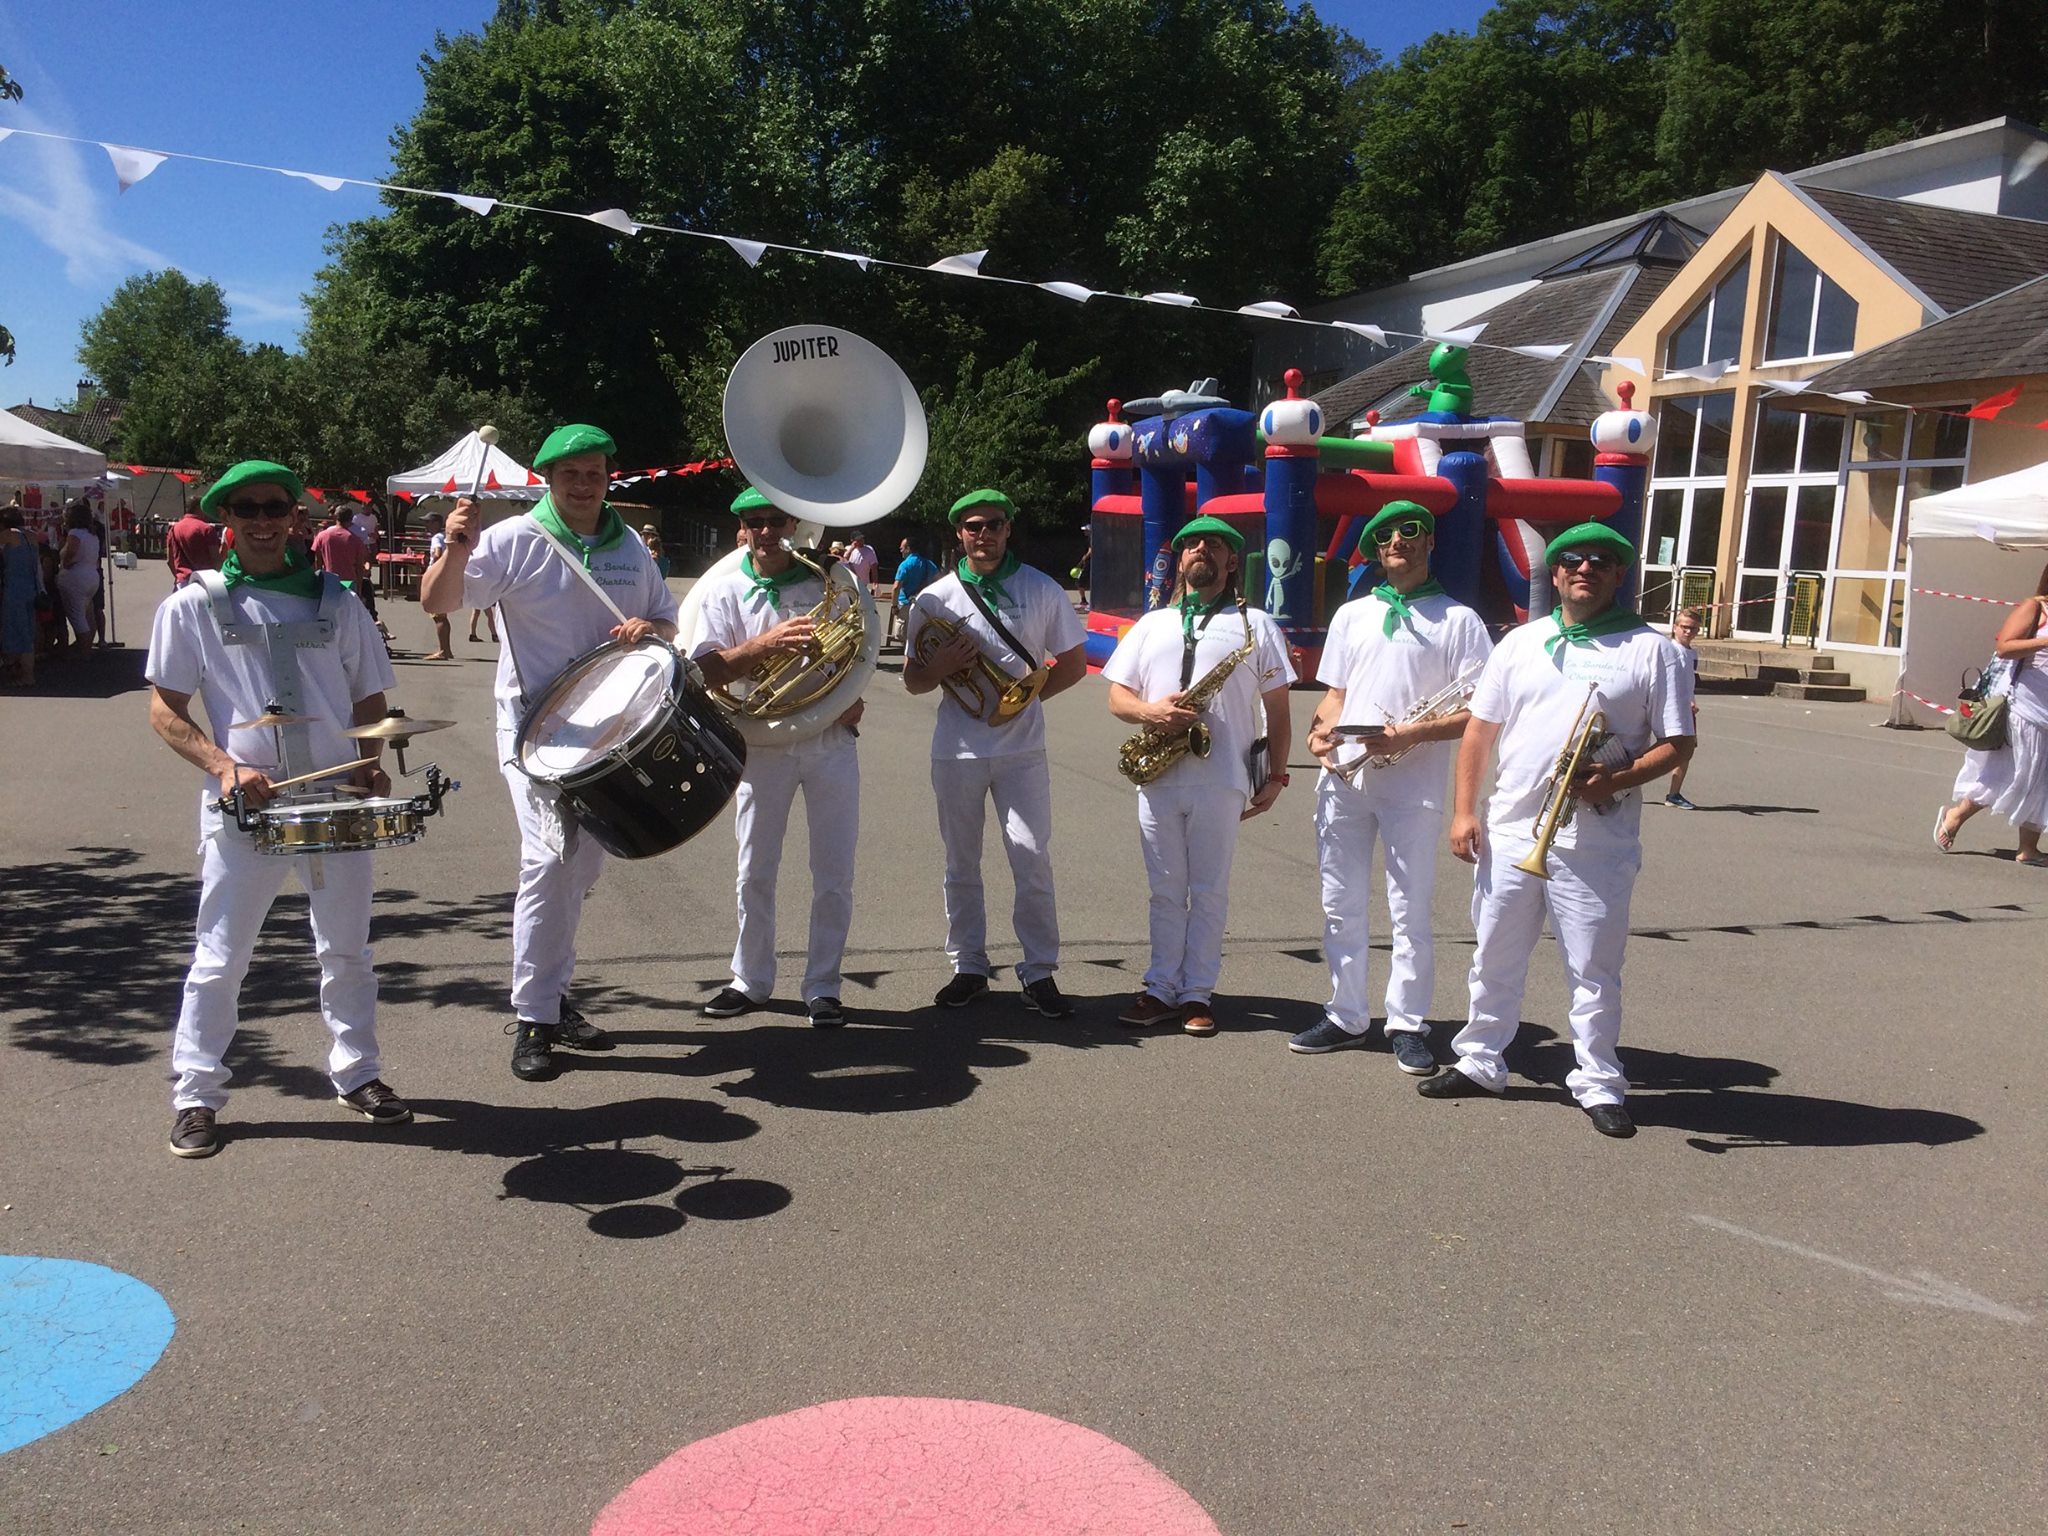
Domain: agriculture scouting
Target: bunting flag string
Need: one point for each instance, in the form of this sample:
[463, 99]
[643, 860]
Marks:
[1988, 409]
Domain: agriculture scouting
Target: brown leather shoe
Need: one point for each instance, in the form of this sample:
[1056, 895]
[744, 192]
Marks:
[1197, 1019]
[1146, 1010]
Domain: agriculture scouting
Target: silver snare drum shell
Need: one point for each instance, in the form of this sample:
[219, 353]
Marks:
[338, 826]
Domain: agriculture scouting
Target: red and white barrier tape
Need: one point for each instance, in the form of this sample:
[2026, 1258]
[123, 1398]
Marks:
[1940, 709]
[1969, 597]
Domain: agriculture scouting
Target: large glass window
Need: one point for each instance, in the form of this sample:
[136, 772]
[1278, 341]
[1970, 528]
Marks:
[1713, 331]
[1789, 521]
[1691, 484]
[1893, 457]
[1810, 315]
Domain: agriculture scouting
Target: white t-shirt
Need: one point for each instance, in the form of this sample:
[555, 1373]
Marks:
[734, 611]
[548, 617]
[1038, 612]
[863, 559]
[364, 526]
[1148, 661]
[233, 682]
[1383, 676]
[1640, 682]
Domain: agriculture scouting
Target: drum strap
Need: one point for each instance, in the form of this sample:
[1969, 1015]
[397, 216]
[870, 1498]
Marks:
[577, 566]
[281, 644]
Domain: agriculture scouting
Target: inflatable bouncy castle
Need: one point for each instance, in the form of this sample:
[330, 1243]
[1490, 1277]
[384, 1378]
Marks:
[1301, 498]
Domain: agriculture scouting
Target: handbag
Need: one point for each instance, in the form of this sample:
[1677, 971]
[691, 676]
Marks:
[1979, 720]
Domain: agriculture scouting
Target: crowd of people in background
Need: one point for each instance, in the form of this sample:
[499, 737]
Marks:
[52, 605]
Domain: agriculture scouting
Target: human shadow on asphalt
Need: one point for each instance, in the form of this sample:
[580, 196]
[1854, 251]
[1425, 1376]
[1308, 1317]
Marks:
[1713, 1097]
[105, 674]
[578, 1157]
[1763, 810]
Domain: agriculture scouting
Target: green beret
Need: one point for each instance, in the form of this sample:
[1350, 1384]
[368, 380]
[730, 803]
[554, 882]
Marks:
[1395, 512]
[983, 499]
[1215, 525]
[251, 472]
[573, 439]
[751, 500]
[1589, 536]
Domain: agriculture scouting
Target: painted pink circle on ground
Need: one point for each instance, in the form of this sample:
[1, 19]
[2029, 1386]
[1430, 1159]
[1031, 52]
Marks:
[905, 1466]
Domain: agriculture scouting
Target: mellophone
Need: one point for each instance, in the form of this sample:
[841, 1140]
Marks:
[300, 823]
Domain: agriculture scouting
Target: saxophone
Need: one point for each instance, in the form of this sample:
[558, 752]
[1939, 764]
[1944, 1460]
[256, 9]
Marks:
[1151, 752]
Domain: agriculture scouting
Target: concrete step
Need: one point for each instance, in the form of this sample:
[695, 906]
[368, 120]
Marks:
[1825, 679]
[1752, 655]
[1828, 693]
[1754, 687]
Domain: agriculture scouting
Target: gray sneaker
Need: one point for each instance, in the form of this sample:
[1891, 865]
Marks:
[193, 1133]
[1323, 1036]
[1411, 1052]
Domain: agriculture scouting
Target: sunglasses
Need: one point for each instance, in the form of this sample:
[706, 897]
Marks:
[758, 524]
[1596, 560]
[979, 525]
[1411, 531]
[273, 510]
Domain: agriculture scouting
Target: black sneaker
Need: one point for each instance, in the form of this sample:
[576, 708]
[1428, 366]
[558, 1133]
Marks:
[576, 1031]
[729, 1003]
[961, 990]
[193, 1133]
[532, 1061]
[1611, 1120]
[826, 1013]
[1411, 1052]
[376, 1103]
[1043, 996]
[1453, 1085]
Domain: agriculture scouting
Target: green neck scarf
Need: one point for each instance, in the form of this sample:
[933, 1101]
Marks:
[772, 585]
[992, 584]
[299, 578]
[1192, 608]
[1613, 622]
[1398, 611]
[611, 528]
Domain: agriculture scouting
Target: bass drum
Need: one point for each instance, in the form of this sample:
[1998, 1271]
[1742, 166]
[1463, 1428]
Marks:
[634, 746]
[802, 724]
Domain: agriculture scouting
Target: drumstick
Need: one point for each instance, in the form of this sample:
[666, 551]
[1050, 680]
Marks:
[323, 773]
[487, 435]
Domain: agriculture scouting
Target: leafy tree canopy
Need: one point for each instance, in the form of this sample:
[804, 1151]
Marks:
[150, 318]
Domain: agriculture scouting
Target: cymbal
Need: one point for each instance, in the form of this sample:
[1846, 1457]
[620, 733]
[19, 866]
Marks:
[264, 722]
[395, 728]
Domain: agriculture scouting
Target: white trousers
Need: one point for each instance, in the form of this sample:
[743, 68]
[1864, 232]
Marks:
[558, 864]
[1586, 899]
[1189, 833]
[236, 888]
[830, 781]
[1022, 790]
[1348, 822]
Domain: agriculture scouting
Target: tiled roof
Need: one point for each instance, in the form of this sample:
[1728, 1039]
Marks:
[2003, 337]
[95, 426]
[1957, 259]
[1562, 310]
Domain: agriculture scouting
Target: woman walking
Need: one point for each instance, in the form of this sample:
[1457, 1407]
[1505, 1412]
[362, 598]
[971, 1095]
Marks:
[2019, 793]
[21, 583]
[78, 576]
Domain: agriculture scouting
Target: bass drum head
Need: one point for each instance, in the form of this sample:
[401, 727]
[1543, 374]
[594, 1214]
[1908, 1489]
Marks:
[603, 702]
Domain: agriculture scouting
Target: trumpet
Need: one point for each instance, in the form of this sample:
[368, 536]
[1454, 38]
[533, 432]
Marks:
[1587, 735]
[790, 682]
[982, 688]
[1447, 700]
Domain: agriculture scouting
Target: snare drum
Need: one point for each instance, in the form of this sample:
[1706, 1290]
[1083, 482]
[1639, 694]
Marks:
[635, 747]
[337, 826]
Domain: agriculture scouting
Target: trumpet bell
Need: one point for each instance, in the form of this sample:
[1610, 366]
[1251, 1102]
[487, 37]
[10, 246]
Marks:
[825, 425]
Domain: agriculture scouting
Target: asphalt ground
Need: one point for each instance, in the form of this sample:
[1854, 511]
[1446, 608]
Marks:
[1808, 1297]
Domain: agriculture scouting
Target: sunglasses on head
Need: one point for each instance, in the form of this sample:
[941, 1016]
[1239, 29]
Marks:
[267, 509]
[1410, 530]
[1593, 560]
[758, 524]
[982, 525]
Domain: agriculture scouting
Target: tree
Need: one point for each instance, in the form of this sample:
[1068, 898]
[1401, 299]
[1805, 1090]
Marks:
[148, 319]
[997, 427]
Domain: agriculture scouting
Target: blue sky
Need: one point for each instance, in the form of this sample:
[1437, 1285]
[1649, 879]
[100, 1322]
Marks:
[307, 87]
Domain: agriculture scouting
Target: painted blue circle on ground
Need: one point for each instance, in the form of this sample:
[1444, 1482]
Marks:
[73, 1337]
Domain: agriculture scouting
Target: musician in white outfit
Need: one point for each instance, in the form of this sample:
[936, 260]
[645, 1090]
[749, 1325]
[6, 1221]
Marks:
[758, 610]
[1404, 642]
[1013, 617]
[1588, 655]
[1188, 815]
[269, 633]
[549, 618]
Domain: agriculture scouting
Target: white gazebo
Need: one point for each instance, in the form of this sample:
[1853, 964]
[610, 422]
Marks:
[32, 455]
[1984, 541]
[469, 463]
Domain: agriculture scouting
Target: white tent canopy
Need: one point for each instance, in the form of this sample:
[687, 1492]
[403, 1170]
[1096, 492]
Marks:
[29, 453]
[466, 463]
[1987, 540]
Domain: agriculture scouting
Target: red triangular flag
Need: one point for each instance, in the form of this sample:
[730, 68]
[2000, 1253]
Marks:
[532, 478]
[137, 469]
[1987, 410]
[183, 478]
[404, 496]
[491, 481]
[449, 488]
[314, 492]
[362, 496]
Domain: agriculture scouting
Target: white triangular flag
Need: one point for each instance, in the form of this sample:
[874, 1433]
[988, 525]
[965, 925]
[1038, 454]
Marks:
[1072, 291]
[476, 205]
[1632, 364]
[1371, 333]
[1789, 386]
[1545, 351]
[968, 264]
[1270, 307]
[857, 259]
[131, 165]
[1464, 336]
[1850, 396]
[1706, 373]
[1171, 298]
[614, 218]
[324, 183]
[750, 251]
[6, 132]
[1986, 532]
